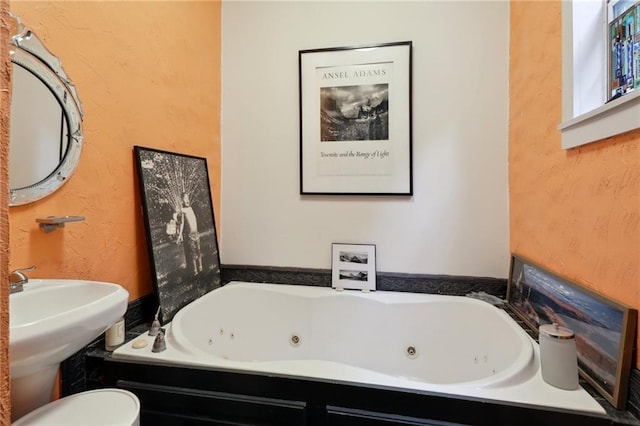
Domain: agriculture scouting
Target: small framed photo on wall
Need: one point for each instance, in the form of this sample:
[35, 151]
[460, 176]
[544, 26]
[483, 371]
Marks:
[353, 266]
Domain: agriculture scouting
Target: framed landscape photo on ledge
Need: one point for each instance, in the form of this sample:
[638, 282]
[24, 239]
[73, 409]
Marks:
[604, 329]
[353, 266]
[355, 120]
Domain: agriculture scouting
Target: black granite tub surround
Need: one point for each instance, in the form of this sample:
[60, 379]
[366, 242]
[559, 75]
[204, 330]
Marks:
[385, 281]
[86, 369]
[633, 398]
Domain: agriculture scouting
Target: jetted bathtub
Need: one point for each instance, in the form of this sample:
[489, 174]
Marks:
[446, 344]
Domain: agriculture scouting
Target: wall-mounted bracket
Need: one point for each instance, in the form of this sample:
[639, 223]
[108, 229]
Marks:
[51, 223]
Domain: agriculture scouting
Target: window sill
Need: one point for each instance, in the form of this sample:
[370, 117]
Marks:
[617, 117]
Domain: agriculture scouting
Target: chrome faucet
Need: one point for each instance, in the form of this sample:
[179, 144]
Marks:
[18, 278]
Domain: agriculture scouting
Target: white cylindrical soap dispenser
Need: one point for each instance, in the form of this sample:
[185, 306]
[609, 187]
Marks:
[114, 335]
[558, 356]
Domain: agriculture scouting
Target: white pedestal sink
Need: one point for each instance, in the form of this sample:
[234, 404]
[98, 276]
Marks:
[49, 321]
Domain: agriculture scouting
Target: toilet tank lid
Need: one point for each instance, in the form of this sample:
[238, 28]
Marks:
[101, 407]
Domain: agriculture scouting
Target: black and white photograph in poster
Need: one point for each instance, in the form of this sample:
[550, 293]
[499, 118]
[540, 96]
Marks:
[353, 266]
[180, 226]
[354, 113]
[355, 120]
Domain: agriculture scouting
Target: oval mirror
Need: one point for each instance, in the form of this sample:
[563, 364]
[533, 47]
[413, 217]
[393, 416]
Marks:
[46, 120]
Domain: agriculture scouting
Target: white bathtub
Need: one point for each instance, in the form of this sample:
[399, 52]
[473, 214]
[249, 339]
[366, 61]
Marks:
[446, 344]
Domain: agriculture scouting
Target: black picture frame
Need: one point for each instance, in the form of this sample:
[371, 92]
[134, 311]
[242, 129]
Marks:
[180, 226]
[355, 120]
[604, 328]
[353, 266]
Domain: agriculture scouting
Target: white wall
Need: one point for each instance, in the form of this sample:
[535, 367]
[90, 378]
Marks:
[457, 221]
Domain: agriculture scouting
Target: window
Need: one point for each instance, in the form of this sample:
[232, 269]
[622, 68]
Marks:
[623, 37]
[589, 113]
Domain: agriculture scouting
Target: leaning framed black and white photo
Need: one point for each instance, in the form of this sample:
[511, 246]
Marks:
[180, 226]
[355, 120]
[353, 266]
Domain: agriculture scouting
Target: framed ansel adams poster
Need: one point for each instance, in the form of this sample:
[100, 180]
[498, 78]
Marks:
[355, 120]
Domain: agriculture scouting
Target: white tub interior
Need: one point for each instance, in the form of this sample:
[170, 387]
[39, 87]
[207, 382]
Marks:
[435, 339]
[447, 344]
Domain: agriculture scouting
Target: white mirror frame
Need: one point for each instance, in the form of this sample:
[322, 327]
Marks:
[27, 51]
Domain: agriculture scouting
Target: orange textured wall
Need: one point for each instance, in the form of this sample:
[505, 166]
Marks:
[5, 99]
[147, 73]
[575, 212]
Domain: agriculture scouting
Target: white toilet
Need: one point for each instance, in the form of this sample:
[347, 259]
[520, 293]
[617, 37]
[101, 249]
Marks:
[102, 407]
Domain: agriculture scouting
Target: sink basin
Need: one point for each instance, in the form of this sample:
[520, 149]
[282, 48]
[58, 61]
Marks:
[49, 321]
